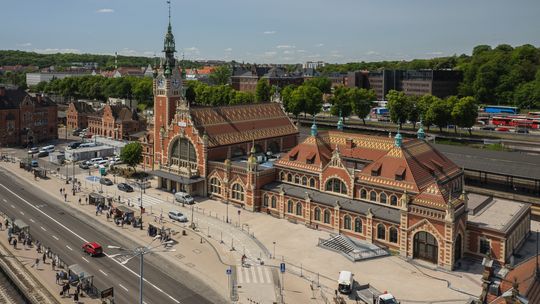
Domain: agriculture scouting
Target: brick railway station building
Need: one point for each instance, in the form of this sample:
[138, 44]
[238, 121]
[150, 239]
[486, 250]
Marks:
[401, 194]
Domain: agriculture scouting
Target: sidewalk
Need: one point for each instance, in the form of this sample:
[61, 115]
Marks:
[44, 271]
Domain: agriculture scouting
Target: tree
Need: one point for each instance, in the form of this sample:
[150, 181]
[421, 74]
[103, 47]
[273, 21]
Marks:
[451, 101]
[142, 89]
[362, 102]
[439, 113]
[286, 97]
[398, 106]
[322, 83]
[239, 97]
[341, 102]
[465, 112]
[262, 91]
[221, 75]
[413, 114]
[131, 154]
[191, 96]
[312, 99]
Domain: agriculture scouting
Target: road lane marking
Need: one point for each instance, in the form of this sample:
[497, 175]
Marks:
[22, 213]
[85, 241]
[85, 260]
[4, 200]
[31, 220]
[12, 206]
[104, 273]
[123, 287]
[54, 237]
[43, 228]
[69, 248]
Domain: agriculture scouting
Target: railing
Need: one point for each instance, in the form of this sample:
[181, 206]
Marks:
[181, 167]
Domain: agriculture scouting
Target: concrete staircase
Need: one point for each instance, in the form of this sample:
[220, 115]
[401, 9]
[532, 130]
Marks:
[352, 250]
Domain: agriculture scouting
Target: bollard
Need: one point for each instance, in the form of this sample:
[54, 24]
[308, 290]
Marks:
[301, 274]
[221, 238]
[232, 244]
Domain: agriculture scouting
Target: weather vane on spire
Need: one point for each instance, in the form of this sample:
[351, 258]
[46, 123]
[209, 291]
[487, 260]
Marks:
[169, 4]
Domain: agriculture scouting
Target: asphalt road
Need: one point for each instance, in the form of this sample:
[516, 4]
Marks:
[57, 228]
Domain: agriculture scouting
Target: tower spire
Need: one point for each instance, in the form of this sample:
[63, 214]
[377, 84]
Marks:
[169, 4]
[169, 47]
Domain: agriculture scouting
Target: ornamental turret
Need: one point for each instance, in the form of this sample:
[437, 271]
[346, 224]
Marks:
[169, 49]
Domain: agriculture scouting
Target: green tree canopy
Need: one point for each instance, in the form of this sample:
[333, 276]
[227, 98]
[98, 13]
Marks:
[362, 101]
[398, 106]
[221, 75]
[439, 113]
[465, 112]
[341, 102]
[131, 154]
[322, 83]
[262, 91]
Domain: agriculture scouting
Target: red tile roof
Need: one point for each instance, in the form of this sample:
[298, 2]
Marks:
[529, 284]
[242, 123]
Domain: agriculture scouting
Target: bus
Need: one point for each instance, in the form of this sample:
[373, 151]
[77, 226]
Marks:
[501, 121]
[499, 109]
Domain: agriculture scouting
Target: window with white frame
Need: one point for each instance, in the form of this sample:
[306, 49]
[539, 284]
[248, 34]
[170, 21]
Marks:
[215, 185]
[238, 192]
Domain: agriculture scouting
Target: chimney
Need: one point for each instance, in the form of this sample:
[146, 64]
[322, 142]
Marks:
[349, 143]
[2, 91]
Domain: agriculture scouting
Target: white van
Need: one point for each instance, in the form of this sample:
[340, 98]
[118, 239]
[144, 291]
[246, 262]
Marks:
[87, 145]
[49, 148]
[94, 160]
[345, 282]
[184, 198]
[102, 162]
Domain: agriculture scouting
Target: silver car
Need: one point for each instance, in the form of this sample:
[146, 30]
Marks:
[177, 216]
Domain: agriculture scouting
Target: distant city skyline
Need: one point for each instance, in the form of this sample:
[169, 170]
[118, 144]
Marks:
[278, 31]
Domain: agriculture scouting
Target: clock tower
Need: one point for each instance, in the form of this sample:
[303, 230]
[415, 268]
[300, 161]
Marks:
[167, 88]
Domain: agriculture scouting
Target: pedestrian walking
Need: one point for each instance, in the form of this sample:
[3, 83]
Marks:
[76, 298]
[15, 243]
[65, 197]
[57, 277]
[60, 191]
[44, 258]
[24, 242]
[36, 263]
[53, 265]
[86, 200]
[79, 200]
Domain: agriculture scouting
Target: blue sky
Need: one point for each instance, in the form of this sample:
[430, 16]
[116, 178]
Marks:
[280, 31]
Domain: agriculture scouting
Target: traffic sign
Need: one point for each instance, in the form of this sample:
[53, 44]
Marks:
[229, 271]
[282, 267]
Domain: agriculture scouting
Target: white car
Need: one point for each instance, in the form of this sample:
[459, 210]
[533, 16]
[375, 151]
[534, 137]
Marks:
[49, 149]
[99, 163]
[177, 216]
[115, 161]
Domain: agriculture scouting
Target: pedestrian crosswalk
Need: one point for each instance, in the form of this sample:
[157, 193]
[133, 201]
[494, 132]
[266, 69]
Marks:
[254, 275]
[135, 199]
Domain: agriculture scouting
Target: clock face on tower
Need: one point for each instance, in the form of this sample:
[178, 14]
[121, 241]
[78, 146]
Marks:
[176, 83]
[161, 83]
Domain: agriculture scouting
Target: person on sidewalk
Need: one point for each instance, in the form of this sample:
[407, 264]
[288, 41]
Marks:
[57, 278]
[53, 264]
[76, 298]
[65, 197]
[36, 263]
[79, 200]
[44, 258]
[15, 243]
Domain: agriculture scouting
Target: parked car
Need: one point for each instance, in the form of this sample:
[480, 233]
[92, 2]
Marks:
[125, 187]
[102, 162]
[33, 150]
[49, 148]
[83, 165]
[43, 154]
[92, 248]
[92, 161]
[105, 181]
[34, 163]
[177, 216]
[184, 198]
[115, 161]
[74, 145]
[502, 129]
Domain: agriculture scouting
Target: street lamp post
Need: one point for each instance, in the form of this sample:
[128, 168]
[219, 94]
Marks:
[227, 204]
[141, 204]
[274, 254]
[140, 252]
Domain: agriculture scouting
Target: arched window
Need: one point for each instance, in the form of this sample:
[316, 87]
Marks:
[393, 200]
[347, 222]
[312, 182]
[238, 192]
[373, 196]
[393, 235]
[289, 207]
[336, 185]
[282, 175]
[297, 179]
[358, 225]
[289, 177]
[382, 198]
[182, 150]
[265, 200]
[317, 216]
[326, 216]
[215, 185]
[363, 194]
[299, 209]
[381, 232]
[273, 200]
[304, 181]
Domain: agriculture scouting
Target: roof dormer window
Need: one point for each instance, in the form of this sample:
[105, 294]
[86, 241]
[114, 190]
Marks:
[376, 169]
[400, 173]
[310, 158]
[294, 155]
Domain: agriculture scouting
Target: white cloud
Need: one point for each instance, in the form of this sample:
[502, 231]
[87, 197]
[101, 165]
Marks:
[26, 44]
[52, 51]
[270, 53]
[228, 50]
[269, 32]
[319, 44]
[435, 53]
[105, 11]
[372, 53]
[301, 51]
[285, 46]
